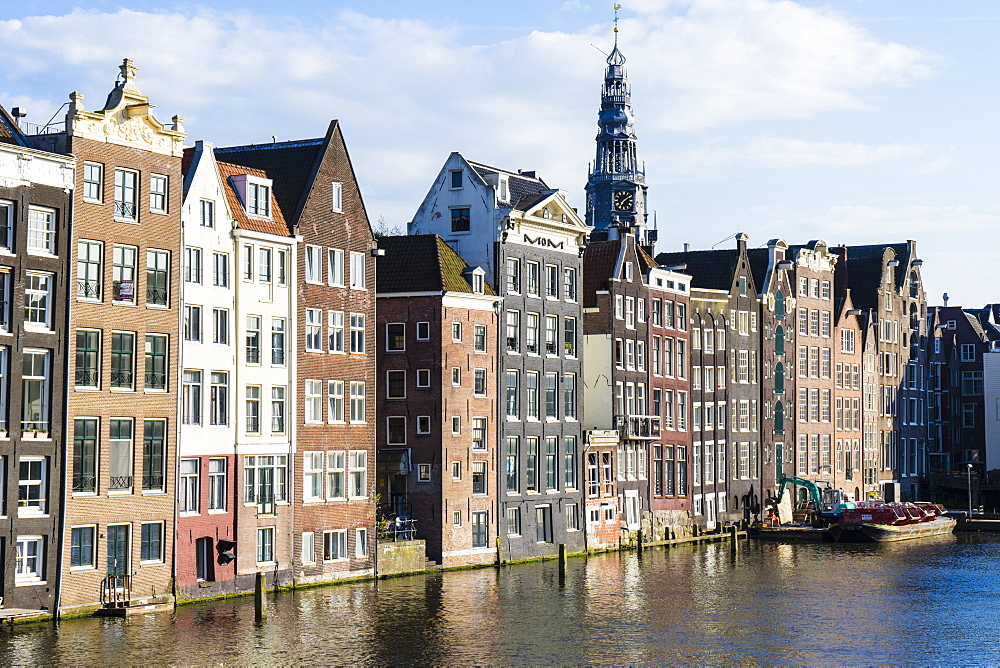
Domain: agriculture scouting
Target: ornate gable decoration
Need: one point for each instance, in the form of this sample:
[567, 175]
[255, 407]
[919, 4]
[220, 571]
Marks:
[126, 119]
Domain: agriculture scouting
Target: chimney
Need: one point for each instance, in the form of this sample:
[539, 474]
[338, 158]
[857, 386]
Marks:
[687, 247]
[945, 298]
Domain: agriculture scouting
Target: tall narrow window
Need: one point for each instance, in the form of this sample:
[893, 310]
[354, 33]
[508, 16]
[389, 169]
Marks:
[93, 182]
[123, 274]
[357, 402]
[206, 208]
[569, 461]
[84, 456]
[187, 487]
[313, 401]
[264, 270]
[125, 194]
[335, 267]
[277, 341]
[314, 329]
[120, 455]
[358, 280]
[192, 265]
[88, 350]
[192, 323]
[278, 410]
[220, 326]
[253, 339]
[220, 270]
[335, 331]
[38, 299]
[357, 332]
[219, 399]
[32, 496]
[253, 409]
[35, 378]
[335, 401]
[337, 196]
[191, 397]
[157, 277]
[158, 193]
[89, 256]
[153, 454]
[122, 360]
[41, 229]
[217, 484]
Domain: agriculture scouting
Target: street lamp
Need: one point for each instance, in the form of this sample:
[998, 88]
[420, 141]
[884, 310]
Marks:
[970, 489]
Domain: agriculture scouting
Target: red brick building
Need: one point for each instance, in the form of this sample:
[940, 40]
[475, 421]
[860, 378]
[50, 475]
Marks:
[331, 484]
[122, 402]
[437, 413]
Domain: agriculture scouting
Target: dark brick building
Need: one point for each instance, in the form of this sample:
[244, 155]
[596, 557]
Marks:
[36, 190]
[437, 403]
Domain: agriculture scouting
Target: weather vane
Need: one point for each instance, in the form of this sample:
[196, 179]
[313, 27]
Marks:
[617, 7]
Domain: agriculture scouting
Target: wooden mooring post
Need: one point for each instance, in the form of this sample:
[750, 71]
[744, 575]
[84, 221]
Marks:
[734, 539]
[259, 600]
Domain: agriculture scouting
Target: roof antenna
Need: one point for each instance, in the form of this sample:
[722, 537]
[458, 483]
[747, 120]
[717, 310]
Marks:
[731, 236]
[274, 139]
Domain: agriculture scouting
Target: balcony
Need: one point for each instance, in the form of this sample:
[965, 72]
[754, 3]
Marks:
[637, 426]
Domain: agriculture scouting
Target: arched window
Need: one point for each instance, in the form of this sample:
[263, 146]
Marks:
[779, 418]
[779, 341]
[914, 285]
[779, 305]
[779, 378]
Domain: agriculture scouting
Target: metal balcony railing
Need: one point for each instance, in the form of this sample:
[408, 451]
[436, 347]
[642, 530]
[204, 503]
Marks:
[119, 482]
[84, 483]
[638, 426]
[88, 289]
[156, 296]
[125, 210]
[86, 377]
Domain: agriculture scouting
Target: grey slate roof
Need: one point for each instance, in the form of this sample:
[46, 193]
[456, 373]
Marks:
[709, 269]
[522, 190]
[421, 263]
[864, 271]
[290, 165]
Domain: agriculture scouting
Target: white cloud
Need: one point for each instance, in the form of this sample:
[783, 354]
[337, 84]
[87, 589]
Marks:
[409, 91]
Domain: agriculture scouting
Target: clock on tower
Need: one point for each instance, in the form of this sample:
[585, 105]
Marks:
[624, 200]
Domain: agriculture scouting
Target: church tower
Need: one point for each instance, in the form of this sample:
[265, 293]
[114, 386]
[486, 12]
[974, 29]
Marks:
[616, 186]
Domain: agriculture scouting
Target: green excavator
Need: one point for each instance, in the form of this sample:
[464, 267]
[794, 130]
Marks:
[823, 507]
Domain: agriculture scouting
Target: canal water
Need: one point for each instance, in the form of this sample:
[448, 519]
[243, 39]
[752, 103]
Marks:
[933, 601]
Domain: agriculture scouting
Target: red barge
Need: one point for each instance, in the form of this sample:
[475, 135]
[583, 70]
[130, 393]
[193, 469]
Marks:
[881, 522]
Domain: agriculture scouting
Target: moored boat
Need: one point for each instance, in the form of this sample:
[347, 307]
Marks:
[881, 522]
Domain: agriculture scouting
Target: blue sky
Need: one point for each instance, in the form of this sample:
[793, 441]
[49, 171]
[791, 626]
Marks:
[854, 121]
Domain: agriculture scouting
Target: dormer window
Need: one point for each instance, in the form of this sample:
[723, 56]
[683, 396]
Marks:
[259, 200]
[504, 193]
[475, 277]
[255, 193]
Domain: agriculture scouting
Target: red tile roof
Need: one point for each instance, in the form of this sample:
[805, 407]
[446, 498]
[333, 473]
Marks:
[277, 223]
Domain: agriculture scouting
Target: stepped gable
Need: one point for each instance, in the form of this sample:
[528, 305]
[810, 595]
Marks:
[276, 225]
[708, 269]
[422, 263]
[291, 165]
[599, 261]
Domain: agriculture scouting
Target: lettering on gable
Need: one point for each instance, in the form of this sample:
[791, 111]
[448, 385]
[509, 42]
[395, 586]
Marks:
[544, 242]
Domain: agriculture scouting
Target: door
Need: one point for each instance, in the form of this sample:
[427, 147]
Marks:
[710, 514]
[203, 555]
[265, 491]
[118, 544]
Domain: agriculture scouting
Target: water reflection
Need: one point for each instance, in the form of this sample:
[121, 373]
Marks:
[924, 602]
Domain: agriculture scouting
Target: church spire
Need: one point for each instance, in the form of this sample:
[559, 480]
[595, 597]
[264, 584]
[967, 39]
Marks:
[616, 190]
